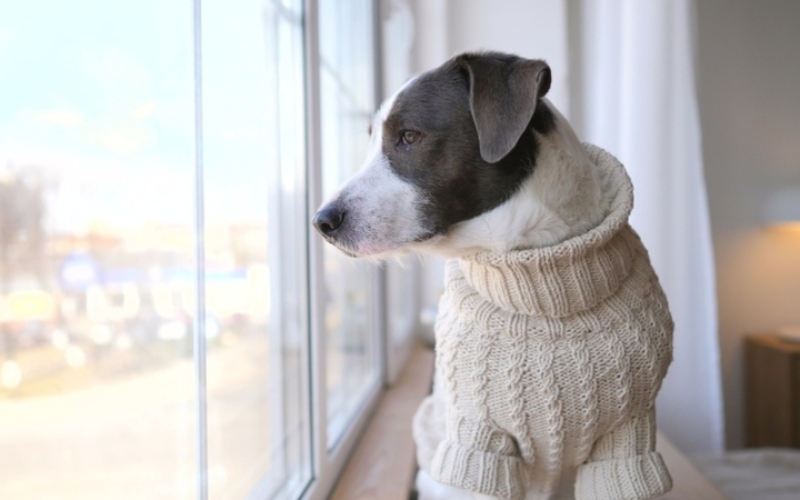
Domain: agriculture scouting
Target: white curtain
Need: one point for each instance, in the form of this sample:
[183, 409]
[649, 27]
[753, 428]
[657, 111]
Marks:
[636, 98]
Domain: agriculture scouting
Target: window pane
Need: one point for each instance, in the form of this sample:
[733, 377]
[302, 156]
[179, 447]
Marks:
[401, 299]
[96, 252]
[347, 104]
[256, 294]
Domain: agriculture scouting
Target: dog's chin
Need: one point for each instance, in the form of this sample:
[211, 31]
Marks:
[372, 250]
[380, 251]
[356, 245]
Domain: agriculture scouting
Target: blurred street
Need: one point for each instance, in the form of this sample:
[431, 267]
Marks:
[133, 435]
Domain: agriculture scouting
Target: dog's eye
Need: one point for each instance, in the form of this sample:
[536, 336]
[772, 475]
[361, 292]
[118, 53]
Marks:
[409, 136]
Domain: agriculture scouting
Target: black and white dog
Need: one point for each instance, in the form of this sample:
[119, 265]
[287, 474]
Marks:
[467, 157]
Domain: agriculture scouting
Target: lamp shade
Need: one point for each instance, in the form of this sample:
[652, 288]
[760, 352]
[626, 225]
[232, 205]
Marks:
[783, 206]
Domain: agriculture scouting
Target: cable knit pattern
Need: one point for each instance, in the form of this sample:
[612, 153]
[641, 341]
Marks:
[548, 364]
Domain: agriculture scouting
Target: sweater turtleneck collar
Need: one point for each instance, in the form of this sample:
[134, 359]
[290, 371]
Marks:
[569, 277]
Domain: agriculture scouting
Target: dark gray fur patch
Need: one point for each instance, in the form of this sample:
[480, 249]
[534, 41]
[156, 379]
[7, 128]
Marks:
[446, 164]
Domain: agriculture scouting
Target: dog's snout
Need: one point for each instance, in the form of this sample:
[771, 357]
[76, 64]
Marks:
[329, 220]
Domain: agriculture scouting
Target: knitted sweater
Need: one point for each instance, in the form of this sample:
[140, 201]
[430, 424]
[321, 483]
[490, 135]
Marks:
[547, 366]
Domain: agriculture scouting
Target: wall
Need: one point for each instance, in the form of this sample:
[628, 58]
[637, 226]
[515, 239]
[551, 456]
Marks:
[445, 28]
[748, 72]
[535, 29]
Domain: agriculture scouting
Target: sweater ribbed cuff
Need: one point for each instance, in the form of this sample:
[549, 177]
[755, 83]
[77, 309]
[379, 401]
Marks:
[478, 471]
[631, 478]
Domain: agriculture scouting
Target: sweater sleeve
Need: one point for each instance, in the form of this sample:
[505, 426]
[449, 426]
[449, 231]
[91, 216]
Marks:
[481, 459]
[624, 464]
[428, 429]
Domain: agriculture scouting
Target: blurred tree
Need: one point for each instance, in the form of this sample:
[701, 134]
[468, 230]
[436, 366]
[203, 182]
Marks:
[22, 232]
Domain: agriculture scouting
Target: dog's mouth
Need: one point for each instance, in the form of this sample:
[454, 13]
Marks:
[366, 249]
[339, 230]
[341, 244]
[356, 242]
[347, 251]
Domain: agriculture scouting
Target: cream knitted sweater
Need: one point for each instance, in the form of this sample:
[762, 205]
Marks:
[547, 366]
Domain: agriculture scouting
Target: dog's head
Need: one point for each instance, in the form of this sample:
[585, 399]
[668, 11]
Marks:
[448, 146]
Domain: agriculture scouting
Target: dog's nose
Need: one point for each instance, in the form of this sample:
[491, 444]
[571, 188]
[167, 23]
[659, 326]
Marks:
[329, 220]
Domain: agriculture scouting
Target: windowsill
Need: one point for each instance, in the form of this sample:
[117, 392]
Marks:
[383, 463]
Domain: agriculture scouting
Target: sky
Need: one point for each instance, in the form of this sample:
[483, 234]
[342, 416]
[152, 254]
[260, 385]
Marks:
[101, 94]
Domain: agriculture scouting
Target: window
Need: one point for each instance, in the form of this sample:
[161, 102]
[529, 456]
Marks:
[168, 325]
[256, 293]
[97, 261]
[347, 101]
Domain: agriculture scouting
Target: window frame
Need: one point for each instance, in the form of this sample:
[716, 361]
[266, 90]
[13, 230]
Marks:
[328, 464]
[292, 488]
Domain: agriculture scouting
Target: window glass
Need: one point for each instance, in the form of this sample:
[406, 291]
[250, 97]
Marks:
[400, 296]
[96, 250]
[347, 100]
[255, 263]
[98, 218]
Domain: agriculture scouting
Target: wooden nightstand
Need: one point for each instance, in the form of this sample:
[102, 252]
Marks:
[772, 391]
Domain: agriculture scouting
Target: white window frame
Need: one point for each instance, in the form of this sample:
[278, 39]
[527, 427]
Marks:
[329, 463]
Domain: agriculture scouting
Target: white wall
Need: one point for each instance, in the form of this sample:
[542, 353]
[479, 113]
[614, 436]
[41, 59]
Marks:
[536, 29]
[749, 94]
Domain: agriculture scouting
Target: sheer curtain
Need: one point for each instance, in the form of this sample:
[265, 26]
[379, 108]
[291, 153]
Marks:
[635, 96]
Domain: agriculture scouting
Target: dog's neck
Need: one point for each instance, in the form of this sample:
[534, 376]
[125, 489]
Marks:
[563, 198]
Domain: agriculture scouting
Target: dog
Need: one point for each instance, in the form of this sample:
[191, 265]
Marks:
[471, 159]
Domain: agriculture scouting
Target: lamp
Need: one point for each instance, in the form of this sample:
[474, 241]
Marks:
[782, 209]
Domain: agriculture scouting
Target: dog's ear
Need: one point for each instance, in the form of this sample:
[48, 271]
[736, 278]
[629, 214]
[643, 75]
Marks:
[503, 94]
